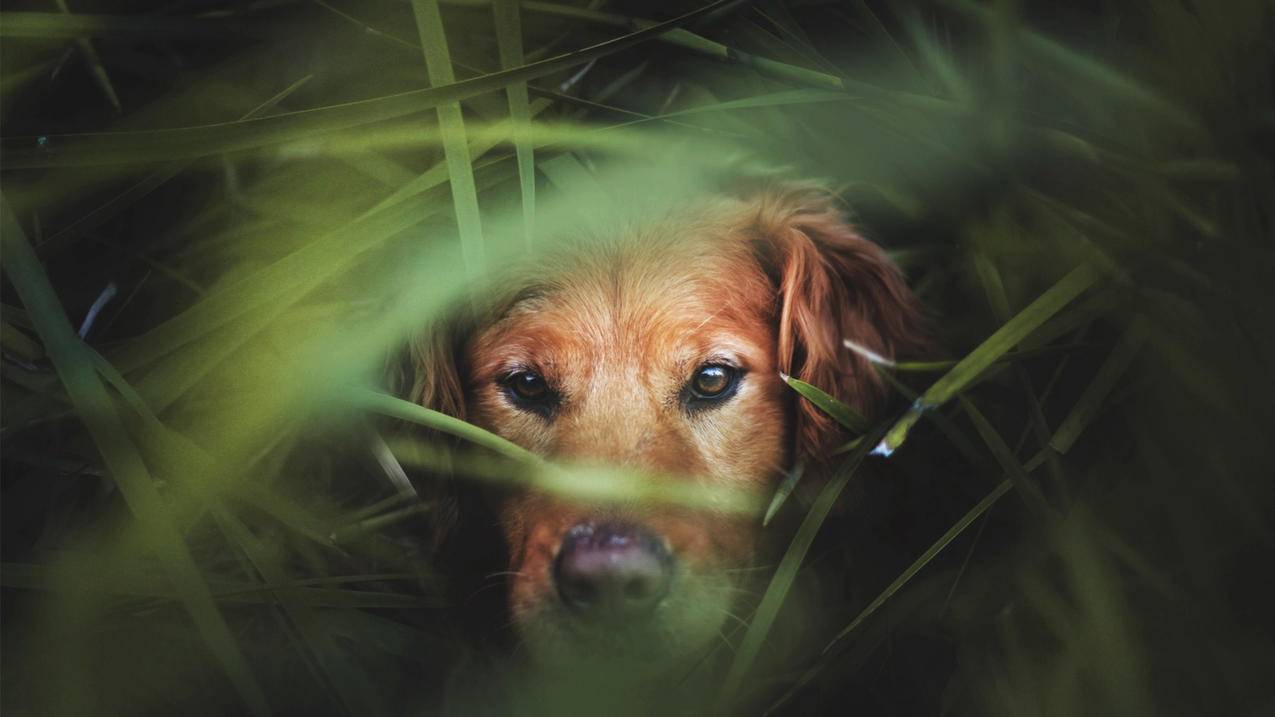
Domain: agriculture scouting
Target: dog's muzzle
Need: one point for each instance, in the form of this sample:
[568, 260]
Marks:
[612, 571]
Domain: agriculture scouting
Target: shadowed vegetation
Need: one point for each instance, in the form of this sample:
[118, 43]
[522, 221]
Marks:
[222, 221]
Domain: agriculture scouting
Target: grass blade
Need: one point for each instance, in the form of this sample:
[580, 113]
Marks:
[509, 42]
[387, 405]
[202, 140]
[849, 418]
[94, 406]
[995, 346]
[1004, 455]
[1088, 72]
[149, 183]
[782, 581]
[438, 61]
[94, 63]
[785, 489]
[1091, 399]
[894, 587]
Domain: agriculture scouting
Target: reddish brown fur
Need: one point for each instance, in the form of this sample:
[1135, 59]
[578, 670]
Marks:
[773, 280]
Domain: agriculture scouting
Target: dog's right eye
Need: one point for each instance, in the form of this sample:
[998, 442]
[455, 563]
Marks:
[529, 390]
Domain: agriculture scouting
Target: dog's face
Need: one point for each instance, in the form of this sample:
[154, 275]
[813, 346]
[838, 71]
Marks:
[660, 351]
[660, 358]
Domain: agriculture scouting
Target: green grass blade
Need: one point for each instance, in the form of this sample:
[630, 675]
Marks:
[777, 590]
[938, 60]
[1091, 399]
[509, 42]
[150, 182]
[1088, 73]
[1004, 455]
[198, 141]
[65, 26]
[849, 418]
[937, 547]
[995, 346]
[894, 587]
[94, 406]
[580, 482]
[94, 63]
[1065, 435]
[451, 121]
[387, 405]
[437, 174]
[789, 484]
[994, 289]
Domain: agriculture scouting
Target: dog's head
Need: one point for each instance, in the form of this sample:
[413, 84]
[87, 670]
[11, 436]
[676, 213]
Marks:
[659, 348]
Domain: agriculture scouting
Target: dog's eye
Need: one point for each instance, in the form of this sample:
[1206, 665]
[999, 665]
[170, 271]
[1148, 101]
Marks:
[529, 391]
[528, 386]
[713, 381]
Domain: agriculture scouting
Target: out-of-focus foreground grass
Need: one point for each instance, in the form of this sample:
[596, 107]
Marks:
[220, 218]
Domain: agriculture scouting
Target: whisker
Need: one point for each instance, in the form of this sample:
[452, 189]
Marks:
[483, 588]
[736, 618]
[751, 569]
[726, 642]
[505, 573]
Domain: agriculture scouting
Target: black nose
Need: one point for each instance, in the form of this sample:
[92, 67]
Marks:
[612, 570]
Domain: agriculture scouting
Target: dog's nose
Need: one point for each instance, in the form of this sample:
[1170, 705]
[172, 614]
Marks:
[612, 570]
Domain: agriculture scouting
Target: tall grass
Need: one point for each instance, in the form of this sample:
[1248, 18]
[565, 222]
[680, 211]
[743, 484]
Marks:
[212, 503]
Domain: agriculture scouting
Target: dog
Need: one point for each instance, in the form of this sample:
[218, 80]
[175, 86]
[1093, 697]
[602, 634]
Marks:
[656, 343]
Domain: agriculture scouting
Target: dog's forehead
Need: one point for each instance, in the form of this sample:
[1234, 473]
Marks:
[675, 298]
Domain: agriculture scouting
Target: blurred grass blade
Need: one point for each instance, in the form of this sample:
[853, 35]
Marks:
[777, 590]
[202, 140]
[939, 61]
[150, 182]
[1011, 357]
[94, 63]
[1045, 453]
[937, 547]
[509, 43]
[998, 299]
[582, 482]
[437, 174]
[789, 484]
[569, 175]
[94, 406]
[451, 121]
[894, 587]
[1088, 72]
[57, 26]
[771, 99]
[270, 285]
[849, 418]
[1091, 399]
[185, 463]
[995, 346]
[1004, 455]
[387, 405]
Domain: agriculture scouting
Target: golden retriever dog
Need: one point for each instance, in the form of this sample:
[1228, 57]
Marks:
[656, 343]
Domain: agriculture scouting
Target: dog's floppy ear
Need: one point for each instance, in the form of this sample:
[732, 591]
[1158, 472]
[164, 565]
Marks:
[832, 285]
[428, 372]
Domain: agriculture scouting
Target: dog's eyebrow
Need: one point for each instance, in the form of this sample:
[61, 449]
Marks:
[530, 294]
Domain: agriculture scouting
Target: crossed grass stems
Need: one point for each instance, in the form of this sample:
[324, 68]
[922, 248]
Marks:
[94, 383]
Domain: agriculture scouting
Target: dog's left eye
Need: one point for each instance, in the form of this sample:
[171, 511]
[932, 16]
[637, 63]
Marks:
[528, 390]
[712, 383]
[528, 386]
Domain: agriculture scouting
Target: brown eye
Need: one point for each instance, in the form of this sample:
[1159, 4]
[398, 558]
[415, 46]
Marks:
[712, 381]
[528, 386]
